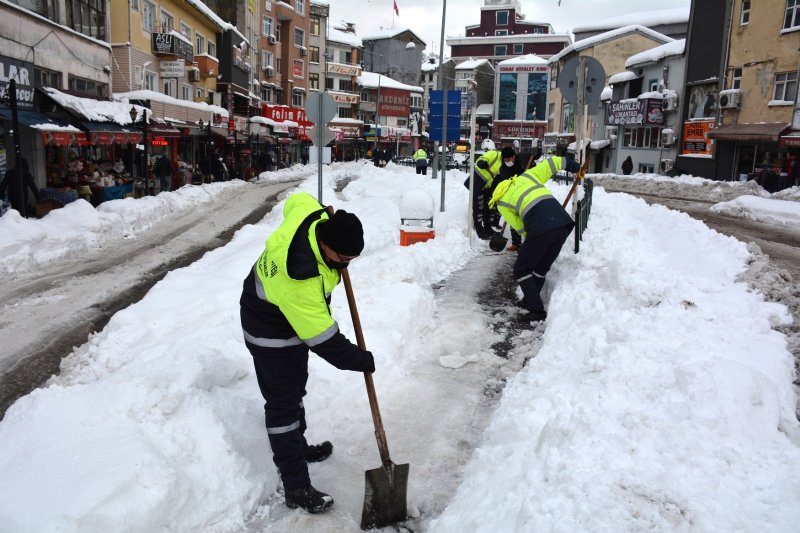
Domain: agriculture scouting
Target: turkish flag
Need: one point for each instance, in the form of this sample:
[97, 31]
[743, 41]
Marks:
[395, 8]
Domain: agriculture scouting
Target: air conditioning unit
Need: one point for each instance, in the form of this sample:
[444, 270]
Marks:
[611, 131]
[667, 137]
[666, 165]
[670, 103]
[269, 70]
[272, 39]
[303, 51]
[730, 99]
[194, 75]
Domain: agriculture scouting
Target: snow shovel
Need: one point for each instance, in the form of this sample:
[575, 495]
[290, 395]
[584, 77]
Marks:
[387, 485]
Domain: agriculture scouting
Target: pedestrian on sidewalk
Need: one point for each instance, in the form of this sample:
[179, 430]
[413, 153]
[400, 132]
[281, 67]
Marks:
[530, 208]
[285, 311]
[163, 171]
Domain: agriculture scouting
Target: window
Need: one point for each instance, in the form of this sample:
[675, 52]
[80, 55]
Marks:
[87, 17]
[500, 49]
[167, 22]
[199, 95]
[736, 78]
[267, 26]
[785, 86]
[150, 80]
[642, 137]
[266, 93]
[212, 49]
[313, 81]
[500, 32]
[508, 100]
[299, 37]
[46, 78]
[199, 43]
[652, 85]
[210, 98]
[186, 31]
[86, 87]
[186, 92]
[501, 18]
[298, 71]
[170, 88]
[314, 26]
[313, 54]
[266, 58]
[278, 32]
[791, 20]
[297, 99]
[148, 16]
[518, 49]
[278, 65]
[345, 112]
[300, 6]
[346, 85]
[745, 12]
[345, 57]
[644, 168]
[46, 8]
[329, 83]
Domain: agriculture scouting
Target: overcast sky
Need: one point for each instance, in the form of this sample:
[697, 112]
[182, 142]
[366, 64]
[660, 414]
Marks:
[424, 17]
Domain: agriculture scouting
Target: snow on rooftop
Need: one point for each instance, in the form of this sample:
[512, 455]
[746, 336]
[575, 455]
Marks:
[371, 79]
[675, 48]
[610, 35]
[338, 36]
[94, 110]
[485, 109]
[200, 6]
[527, 59]
[164, 99]
[619, 77]
[471, 64]
[673, 15]
[388, 33]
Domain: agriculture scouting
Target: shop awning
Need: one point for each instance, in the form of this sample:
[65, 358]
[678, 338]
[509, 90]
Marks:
[162, 129]
[748, 132]
[32, 118]
[109, 132]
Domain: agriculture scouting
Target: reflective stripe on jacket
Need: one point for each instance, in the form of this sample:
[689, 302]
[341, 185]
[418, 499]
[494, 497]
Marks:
[514, 198]
[298, 284]
[493, 159]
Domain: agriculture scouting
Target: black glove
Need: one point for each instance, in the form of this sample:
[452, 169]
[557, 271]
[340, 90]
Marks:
[370, 365]
[482, 164]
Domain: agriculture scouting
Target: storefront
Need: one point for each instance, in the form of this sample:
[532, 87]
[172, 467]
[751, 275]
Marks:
[347, 140]
[755, 149]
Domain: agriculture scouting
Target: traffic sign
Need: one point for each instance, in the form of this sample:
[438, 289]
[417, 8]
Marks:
[321, 112]
[436, 115]
[327, 135]
[595, 80]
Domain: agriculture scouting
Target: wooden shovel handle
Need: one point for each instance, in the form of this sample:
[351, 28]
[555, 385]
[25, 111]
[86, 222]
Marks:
[380, 434]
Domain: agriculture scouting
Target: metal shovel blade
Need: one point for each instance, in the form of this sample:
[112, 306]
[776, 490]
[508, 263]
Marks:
[498, 243]
[385, 496]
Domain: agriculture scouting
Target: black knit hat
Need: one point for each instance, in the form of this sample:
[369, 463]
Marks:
[507, 152]
[343, 233]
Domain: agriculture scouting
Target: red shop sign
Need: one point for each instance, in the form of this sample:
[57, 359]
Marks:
[159, 141]
[103, 137]
[64, 138]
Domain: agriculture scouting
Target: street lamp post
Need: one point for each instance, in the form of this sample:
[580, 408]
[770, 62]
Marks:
[145, 155]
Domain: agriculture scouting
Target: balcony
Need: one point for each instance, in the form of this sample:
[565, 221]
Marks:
[209, 66]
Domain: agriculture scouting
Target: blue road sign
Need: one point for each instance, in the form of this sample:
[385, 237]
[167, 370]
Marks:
[436, 118]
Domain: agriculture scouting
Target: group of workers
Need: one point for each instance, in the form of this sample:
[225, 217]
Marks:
[285, 299]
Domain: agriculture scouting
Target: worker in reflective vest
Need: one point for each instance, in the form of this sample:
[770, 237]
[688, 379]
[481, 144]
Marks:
[530, 209]
[483, 176]
[420, 158]
[285, 311]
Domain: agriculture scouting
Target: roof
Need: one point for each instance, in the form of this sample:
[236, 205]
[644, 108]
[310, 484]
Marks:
[527, 59]
[392, 32]
[748, 132]
[675, 48]
[209, 14]
[610, 36]
[485, 109]
[675, 15]
[344, 37]
[619, 77]
[374, 80]
[471, 64]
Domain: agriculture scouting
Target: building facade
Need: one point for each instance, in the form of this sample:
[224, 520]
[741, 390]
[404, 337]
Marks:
[521, 102]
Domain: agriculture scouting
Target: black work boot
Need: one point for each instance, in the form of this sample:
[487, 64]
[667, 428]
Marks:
[318, 452]
[309, 499]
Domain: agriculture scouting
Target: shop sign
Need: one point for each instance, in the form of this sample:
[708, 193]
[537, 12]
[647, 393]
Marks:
[523, 68]
[280, 113]
[346, 70]
[527, 131]
[64, 138]
[344, 98]
[695, 138]
[22, 73]
[790, 141]
[280, 128]
[168, 43]
[172, 69]
[348, 131]
[625, 112]
[102, 137]
[241, 123]
[159, 141]
[394, 103]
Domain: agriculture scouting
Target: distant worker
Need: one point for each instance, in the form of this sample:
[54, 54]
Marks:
[531, 210]
[420, 158]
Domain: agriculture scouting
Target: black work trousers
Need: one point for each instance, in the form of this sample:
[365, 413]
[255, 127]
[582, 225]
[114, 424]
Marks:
[482, 216]
[534, 259]
[282, 375]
